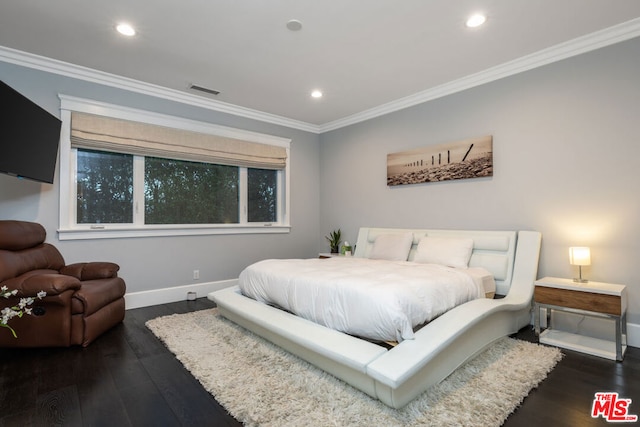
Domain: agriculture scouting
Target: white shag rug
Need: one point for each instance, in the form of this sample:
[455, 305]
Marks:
[263, 385]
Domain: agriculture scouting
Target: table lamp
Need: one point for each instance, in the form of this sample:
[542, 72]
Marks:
[580, 256]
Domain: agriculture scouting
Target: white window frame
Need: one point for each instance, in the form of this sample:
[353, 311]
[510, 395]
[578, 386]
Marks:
[70, 230]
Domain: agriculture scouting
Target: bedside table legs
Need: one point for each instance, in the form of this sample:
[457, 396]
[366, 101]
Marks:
[536, 318]
[621, 336]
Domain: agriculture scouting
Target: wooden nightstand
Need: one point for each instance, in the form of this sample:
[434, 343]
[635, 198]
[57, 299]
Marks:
[605, 300]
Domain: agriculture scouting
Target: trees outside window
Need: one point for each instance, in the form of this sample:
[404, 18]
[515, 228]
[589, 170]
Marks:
[179, 192]
[174, 191]
[104, 188]
[262, 195]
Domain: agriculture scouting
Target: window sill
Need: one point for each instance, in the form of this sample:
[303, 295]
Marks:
[124, 232]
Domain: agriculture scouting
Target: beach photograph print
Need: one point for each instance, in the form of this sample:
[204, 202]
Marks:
[470, 158]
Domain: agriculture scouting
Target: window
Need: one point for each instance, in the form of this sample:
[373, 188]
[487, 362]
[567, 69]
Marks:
[105, 187]
[133, 173]
[262, 194]
[179, 192]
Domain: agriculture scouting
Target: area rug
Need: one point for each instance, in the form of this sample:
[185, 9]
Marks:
[263, 385]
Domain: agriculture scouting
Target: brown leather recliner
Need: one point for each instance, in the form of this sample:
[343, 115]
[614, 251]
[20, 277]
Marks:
[83, 300]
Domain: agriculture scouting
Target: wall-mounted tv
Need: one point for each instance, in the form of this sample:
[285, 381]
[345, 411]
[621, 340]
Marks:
[29, 137]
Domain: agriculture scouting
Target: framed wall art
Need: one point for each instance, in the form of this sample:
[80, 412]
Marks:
[469, 158]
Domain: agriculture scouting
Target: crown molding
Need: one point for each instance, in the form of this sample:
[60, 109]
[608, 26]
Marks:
[609, 36]
[66, 69]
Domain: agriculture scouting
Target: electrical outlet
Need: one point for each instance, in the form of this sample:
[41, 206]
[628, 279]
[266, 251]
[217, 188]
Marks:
[196, 274]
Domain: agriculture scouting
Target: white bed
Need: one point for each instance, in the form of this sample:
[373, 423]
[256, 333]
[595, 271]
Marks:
[396, 376]
[375, 299]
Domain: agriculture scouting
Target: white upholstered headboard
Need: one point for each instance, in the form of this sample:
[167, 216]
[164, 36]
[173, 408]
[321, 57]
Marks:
[493, 250]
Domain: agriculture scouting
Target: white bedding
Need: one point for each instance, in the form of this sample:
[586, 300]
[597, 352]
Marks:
[374, 299]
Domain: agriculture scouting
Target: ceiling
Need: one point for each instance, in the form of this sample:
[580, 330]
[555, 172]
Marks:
[365, 55]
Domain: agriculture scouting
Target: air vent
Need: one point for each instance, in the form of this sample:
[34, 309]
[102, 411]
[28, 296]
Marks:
[204, 89]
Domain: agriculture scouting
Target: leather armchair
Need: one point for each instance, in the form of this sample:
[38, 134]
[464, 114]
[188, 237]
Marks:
[83, 300]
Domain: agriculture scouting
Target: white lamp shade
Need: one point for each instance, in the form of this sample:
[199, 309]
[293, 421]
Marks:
[579, 256]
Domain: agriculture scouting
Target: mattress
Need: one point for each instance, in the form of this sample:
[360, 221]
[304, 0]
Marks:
[482, 277]
[374, 299]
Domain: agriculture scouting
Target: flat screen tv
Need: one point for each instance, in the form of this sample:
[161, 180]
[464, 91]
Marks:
[29, 137]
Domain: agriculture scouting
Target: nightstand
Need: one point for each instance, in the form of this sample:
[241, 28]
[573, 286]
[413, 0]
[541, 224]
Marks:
[596, 299]
[325, 255]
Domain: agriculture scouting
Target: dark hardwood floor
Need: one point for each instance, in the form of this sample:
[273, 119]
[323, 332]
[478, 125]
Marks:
[128, 378]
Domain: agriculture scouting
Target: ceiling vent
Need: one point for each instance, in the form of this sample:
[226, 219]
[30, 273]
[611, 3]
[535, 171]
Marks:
[204, 89]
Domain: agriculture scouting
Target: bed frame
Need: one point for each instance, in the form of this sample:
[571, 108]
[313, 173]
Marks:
[396, 376]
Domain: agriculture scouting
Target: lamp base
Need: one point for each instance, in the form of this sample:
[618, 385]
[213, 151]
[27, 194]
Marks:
[579, 279]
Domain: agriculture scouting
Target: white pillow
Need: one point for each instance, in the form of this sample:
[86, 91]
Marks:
[392, 247]
[449, 251]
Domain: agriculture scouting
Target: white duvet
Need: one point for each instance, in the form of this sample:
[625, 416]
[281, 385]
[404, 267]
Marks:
[374, 299]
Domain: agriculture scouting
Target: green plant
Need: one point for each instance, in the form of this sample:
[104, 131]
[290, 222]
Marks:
[334, 240]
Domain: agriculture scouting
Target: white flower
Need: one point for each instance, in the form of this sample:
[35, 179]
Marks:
[5, 292]
[7, 314]
[25, 302]
[17, 310]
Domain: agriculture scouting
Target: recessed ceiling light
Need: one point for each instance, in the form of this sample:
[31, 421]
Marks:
[476, 20]
[126, 29]
[316, 94]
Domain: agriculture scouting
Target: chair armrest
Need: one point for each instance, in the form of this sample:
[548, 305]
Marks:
[29, 284]
[91, 270]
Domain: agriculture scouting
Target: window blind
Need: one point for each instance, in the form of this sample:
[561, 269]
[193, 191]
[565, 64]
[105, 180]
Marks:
[143, 139]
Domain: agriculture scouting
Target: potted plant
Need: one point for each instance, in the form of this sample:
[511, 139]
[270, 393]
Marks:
[334, 240]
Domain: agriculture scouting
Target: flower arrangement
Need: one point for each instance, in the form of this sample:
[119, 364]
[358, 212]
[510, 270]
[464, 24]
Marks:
[19, 310]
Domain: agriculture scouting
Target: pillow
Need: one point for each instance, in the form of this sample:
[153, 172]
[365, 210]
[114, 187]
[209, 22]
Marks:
[392, 247]
[449, 251]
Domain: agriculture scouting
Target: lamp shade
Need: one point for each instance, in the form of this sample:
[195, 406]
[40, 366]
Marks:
[579, 256]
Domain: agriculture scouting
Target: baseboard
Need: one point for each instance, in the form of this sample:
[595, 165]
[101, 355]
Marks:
[173, 294]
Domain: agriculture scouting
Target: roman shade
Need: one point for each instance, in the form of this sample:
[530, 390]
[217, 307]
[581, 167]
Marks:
[143, 139]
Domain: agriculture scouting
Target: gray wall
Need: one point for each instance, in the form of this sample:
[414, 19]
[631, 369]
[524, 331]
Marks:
[160, 262]
[566, 163]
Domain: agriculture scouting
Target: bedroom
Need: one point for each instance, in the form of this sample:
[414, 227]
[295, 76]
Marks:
[565, 153]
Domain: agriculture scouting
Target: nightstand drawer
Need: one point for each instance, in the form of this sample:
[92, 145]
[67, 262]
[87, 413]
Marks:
[601, 303]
